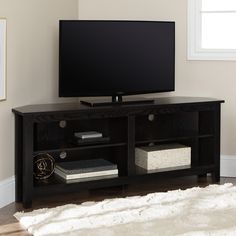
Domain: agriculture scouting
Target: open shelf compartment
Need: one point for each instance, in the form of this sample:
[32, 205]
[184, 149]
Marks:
[50, 136]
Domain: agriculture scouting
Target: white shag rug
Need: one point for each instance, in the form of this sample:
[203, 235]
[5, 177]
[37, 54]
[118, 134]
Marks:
[192, 212]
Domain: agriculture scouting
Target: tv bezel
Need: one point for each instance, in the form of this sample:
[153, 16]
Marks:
[118, 93]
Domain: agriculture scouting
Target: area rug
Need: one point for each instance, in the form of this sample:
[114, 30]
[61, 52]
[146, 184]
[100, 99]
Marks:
[192, 212]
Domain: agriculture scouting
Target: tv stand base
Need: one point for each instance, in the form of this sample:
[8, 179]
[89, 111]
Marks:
[116, 100]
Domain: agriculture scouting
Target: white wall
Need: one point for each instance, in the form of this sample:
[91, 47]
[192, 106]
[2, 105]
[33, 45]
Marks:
[193, 78]
[32, 62]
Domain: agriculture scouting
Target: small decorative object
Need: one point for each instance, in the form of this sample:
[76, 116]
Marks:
[151, 117]
[63, 155]
[3, 29]
[43, 166]
[62, 124]
[161, 156]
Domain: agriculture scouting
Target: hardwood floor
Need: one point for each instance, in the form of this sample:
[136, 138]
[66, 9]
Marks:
[10, 226]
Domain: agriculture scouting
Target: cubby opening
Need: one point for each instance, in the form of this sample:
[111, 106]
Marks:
[115, 155]
[50, 135]
[166, 126]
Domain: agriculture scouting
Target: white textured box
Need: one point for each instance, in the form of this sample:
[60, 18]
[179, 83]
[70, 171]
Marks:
[162, 156]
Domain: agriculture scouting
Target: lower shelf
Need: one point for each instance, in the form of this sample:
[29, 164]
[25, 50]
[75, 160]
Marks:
[141, 171]
[56, 186]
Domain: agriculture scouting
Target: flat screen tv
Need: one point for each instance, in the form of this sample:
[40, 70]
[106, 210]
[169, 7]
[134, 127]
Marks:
[115, 58]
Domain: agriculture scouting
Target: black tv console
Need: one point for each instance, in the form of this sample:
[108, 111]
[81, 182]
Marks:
[194, 122]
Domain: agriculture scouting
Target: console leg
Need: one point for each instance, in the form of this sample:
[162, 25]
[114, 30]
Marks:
[215, 177]
[202, 176]
[27, 204]
[124, 188]
[18, 159]
[27, 161]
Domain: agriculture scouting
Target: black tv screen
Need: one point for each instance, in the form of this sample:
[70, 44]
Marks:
[101, 58]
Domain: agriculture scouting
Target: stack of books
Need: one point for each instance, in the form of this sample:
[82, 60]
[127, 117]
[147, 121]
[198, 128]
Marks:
[88, 134]
[86, 170]
[90, 137]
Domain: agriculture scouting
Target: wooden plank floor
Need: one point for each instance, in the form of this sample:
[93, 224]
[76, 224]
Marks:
[10, 226]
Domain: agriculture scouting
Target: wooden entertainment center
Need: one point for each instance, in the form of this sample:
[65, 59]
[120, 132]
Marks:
[194, 122]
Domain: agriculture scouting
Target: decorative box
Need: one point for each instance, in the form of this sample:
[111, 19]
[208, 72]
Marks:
[162, 156]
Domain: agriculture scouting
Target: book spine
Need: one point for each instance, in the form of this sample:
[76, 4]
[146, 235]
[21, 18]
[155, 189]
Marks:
[91, 136]
[86, 175]
[87, 170]
[61, 174]
[95, 140]
[90, 179]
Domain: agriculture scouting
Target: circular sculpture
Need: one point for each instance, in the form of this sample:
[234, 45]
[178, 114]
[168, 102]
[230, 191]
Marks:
[43, 166]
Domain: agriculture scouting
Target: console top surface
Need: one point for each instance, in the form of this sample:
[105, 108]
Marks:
[75, 107]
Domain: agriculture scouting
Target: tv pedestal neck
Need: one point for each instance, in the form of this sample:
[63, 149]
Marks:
[116, 100]
[193, 122]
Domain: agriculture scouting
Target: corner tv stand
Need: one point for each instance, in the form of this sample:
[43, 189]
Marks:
[194, 122]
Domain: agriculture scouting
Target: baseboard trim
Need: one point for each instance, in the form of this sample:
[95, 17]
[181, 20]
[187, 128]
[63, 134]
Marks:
[7, 191]
[228, 166]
